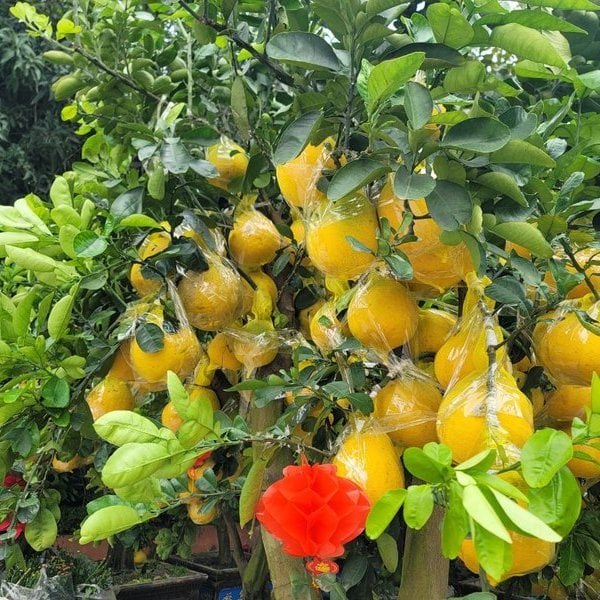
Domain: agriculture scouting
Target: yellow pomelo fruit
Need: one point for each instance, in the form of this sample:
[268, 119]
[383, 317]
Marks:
[580, 467]
[393, 208]
[406, 409]
[180, 353]
[254, 239]
[265, 283]
[170, 417]
[328, 229]
[139, 557]
[305, 317]
[382, 314]
[230, 159]
[326, 330]
[212, 299]
[567, 402]
[197, 514]
[120, 368]
[110, 394]
[154, 244]
[220, 354]
[298, 231]
[564, 347]
[528, 556]
[297, 179]
[589, 260]
[256, 344]
[433, 329]
[477, 414]
[370, 460]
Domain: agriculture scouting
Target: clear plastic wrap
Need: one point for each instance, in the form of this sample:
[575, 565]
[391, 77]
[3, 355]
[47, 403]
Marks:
[327, 231]
[437, 266]
[255, 344]
[298, 178]
[565, 403]
[589, 260]
[434, 327]
[111, 393]
[326, 330]
[370, 459]
[254, 240]
[485, 410]
[230, 159]
[382, 314]
[152, 245]
[59, 587]
[212, 299]
[466, 350]
[568, 351]
[406, 408]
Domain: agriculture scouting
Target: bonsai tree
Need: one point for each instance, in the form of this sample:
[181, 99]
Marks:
[359, 233]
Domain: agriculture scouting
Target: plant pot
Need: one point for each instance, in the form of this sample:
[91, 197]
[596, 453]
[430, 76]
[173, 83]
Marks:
[222, 583]
[186, 587]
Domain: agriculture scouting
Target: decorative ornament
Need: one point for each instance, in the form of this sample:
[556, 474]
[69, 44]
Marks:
[314, 512]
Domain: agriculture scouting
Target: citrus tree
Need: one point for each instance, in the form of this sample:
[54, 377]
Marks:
[352, 232]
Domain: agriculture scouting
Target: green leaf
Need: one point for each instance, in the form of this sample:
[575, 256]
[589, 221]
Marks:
[295, 137]
[525, 520]
[525, 235]
[449, 26]
[127, 203]
[239, 107]
[302, 49]
[56, 393]
[174, 156]
[423, 466]
[522, 152]
[418, 505]
[418, 104]
[504, 184]
[569, 5]
[42, 531]
[494, 553]
[60, 192]
[139, 221]
[527, 43]
[132, 462]
[501, 485]
[455, 524]
[144, 491]
[508, 290]
[60, 316]
[544, 453]
[120, 427]
[558, 504]
[409, 186]
[107, 522]
[31, 259]
[481, 134]
[537, 19]
[450, 205]
[384, 510]
[178, 395]
[388, 550]
[251, 491]
[21, 317]
[571, 562]
[465, 78]
[387, 77]
[150, 337]
[595, 393]
[353, 176]
[481, 462]
[482, 512]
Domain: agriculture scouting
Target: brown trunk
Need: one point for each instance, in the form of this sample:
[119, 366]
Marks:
[424, 569]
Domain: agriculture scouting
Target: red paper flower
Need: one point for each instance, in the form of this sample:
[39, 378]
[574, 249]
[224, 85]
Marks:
[313, 511]
[19, 527]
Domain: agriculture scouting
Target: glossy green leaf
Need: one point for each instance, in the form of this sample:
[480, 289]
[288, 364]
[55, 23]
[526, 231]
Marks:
[455, 523]
[423, 466]
[449, 26]
[388, 550]
[127, 203]
[144, 491]
[21, 317]
[504, 184]
[42, 531]
[544, 453]
[536, 19]
[450, 205]
[56, 393]
[465, 78]
[60, 192]
[386, 78]
[132, 462]
[120, 427]
[418, 505]
[525, 235]
[481, 134]
[481, 462]
[302, 49]
[527, 43]
[494, 553]
[571, 562]
[295, 136]
[482, 512]
[558, 504]
[239, 107]
[418, 104]
[60, 316]
[31, 259]
[522, 152]
[383, 511]
[409, 186]
[353, 176]
[150, 337]
[251, 491]
[107, 522]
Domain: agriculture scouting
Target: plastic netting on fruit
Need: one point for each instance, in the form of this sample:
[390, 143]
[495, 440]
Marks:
[567, 349]
[341, 236]
[484, 410]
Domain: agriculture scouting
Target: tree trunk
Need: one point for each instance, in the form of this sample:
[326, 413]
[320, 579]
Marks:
[424, 569]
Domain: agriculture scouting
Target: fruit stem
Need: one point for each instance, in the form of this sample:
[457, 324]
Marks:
[569, 252]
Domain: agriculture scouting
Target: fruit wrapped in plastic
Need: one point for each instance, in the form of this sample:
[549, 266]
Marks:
[567, 349]
[485, 409]
[152, 245]
[230, 160]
